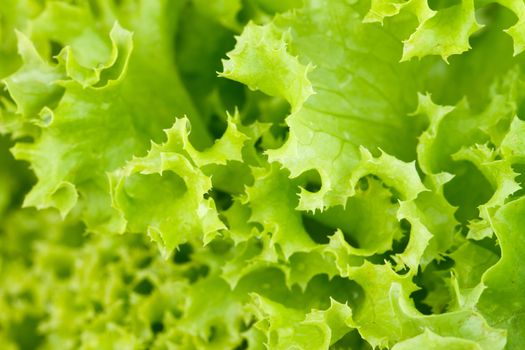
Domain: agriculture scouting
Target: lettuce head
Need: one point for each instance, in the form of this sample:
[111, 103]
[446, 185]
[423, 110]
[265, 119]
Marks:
[262, 174]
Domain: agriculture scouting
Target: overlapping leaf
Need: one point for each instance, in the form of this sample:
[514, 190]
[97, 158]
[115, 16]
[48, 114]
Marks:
[354, 197]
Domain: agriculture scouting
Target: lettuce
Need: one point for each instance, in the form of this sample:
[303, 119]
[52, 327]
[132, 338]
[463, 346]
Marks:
[261, 174]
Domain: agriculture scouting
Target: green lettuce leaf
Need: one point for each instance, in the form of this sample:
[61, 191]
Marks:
[321, 189]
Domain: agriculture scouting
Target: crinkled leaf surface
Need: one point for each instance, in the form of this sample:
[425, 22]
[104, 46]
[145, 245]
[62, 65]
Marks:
[184, 174]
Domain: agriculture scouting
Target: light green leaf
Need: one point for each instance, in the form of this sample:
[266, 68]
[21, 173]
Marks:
[500, 175]
[373, 235]
[272, 200]
[431, 341]
[513, 145]
[290, 329]
[164, 193]
[445, 33]
[35, 84]
[502, 301]
[365, 95]
[380, 9]
[95, 129]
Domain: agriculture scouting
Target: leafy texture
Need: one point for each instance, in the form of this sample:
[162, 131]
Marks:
[447, 31]
[262, 174]
[354, 97]
[507, 275]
